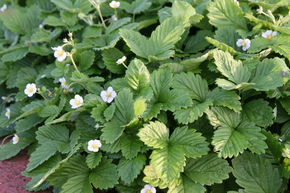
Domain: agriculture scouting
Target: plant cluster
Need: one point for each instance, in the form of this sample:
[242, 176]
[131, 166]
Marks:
[185, 96]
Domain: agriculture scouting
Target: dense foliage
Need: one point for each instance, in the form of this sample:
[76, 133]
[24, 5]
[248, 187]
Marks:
[188, 96]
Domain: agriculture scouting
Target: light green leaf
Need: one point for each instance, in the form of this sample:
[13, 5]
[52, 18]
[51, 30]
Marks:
[129, 169]
[137, 75]
[256, 174]
[105, 175]
[208, 169]
[154, 134]
[219, 116]
[93, 160]
[224, 13]
[185, 185]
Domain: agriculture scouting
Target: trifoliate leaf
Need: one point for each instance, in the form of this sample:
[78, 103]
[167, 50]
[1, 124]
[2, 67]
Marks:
[93, 160]
[129, 169]
[224, 13]
[256, 174]
[155, 134]
[208, 169]
[259, 112]
[105, 175]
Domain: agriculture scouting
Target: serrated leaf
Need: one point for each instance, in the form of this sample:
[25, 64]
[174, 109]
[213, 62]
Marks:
[154, 134]
[137, 6]
[256, 174]
[219, 116]
[27, 123]
[137, 75]
[208, 169]
[129, 169]
[15, 55]
[85, 59]
[110, 57]
[226, 98]
[105, 175]
[93, 160]
[234, 70]
[185, 185]
[192, 143]
[226, 13]
[259, 112]
[9, 149]
[124, 113]
[130, 146]
[40, 155]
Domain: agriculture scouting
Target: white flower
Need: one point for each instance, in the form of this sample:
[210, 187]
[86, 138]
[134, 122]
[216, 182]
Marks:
[3, 8]
[30, 89]
[7, 113]
[269, 34]
[15, 139]
[59, 53]
[108, 95]
[76, 102]
[94, 145]
[244, 43]
[114, 18]
[148, 189]
[63, 82]
[121, 60]
[40, 26]
[115, 4]
[237, 2]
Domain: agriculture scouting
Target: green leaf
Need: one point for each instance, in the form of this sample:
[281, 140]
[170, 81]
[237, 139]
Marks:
[191, 84]
[152, 178]
[15, 55]
[93, 160]
[130, 146]
[234, 70]
[168, 162]
[73, 7]
[197, 42]
[137, 75]
[27, 123]
[137, 6]
[268, 74]
[259, 112]
[85, 59]
[129, 169]
[161, 43]
[233, 136]
[40, 155]
[20, 20]
[226, 98]
[192, 143]
[224, 13]
[154, 134]
[208, 169]
[123, 115]
[185, 185]
[9, 150]
[222, 46]
[105, 175]
[110, 57]
[256, 174]
[48, 111]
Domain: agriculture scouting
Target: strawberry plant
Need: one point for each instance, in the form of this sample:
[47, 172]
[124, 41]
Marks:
[177, 96]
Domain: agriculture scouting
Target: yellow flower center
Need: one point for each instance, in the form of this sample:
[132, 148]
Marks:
[95, 146]
[108, 94]
[78, 102]
[244, 43]
[30, 89]
[148, 191]
[60, 52]
[270, 37]
[16, 139]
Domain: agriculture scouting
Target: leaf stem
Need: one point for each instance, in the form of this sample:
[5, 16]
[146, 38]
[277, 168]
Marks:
[98, 7]
[72, 60]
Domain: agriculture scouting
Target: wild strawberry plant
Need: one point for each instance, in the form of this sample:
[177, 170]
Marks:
[147, 96]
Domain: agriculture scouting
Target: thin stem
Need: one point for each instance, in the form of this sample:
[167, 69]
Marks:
[124, 65]
[72, 60]
[101, 16]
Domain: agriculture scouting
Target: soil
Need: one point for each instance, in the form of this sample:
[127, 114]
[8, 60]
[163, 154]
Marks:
[11, 180]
